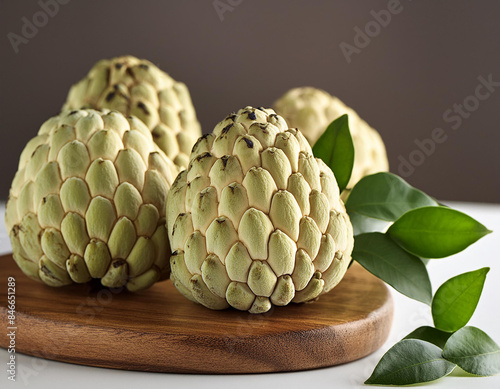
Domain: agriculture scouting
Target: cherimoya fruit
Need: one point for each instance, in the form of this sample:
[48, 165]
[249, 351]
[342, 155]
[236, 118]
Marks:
[137, 87]
[88, 202]
[312, 110]
[256, 220]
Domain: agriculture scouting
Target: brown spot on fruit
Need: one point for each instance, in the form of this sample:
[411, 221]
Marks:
[142, 107]
[110, 96]
[248, 142]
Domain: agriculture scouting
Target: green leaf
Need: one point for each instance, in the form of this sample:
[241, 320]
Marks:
[474, 351]
[455, 301]
[410, 361]
[382, 257]
[336, 149]
[385, 196]
[436, 232]
[431, 335]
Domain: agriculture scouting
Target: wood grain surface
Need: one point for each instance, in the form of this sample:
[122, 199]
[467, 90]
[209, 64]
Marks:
[159, 330]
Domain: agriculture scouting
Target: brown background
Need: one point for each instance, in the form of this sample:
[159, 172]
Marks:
[425, 60]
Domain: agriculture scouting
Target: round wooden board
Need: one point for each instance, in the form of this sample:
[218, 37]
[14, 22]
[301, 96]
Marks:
[159, 330]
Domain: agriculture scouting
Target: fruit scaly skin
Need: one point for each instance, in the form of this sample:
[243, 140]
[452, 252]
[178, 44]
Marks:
[88, 201]
[256, 220]
[312, 110]
[136, 87]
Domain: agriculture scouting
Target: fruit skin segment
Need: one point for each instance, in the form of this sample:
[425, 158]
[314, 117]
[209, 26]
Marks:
[88, 202]
[255, 220]
[311, 110]
[137, 87]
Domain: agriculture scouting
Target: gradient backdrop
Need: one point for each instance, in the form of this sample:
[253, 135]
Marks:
[418, 71]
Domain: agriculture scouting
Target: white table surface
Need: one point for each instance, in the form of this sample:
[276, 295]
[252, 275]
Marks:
[39, 373]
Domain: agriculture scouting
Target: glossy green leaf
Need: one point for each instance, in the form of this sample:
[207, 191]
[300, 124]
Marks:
[336, 149]
[431, 335]
[410, 361]
[474, 351]
[455, 301]
[436, 232]
[385, 196]
[381, 256]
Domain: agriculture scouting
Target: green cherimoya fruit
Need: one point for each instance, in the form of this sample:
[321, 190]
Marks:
[312, 110]
[256, 220]
[88, 202]
[136, 87]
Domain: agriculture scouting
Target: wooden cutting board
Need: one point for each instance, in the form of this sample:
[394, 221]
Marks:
[159, 330]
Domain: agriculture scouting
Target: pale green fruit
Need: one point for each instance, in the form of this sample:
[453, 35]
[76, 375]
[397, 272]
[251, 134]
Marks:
[256, 220]
[137, 87]
[311, 110]
[88, 202]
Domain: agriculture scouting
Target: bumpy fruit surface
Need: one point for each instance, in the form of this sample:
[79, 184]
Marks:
[136, 87]
[311, 110]
[88, 202]
[256, 220]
